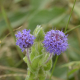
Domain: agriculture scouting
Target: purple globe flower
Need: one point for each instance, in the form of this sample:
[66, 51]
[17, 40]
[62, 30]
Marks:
[55, 41]
[24, 39]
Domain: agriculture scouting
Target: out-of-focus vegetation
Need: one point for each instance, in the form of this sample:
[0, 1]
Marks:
[50, 14]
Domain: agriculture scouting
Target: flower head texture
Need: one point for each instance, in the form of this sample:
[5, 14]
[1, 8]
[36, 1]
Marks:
[55, 41]
[24, 39]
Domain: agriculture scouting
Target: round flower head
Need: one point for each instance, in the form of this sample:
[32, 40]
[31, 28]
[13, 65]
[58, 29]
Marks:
[24, 39]
[55, 41]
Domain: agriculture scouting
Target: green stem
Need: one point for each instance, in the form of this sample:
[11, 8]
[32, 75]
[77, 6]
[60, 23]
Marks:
[27, 54]
[7, 21]
[9, 27]
[72, 28]
[54, 66]
[70, 16]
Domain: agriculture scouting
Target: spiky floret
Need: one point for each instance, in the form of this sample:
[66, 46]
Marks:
[55, 41]
[24, 39]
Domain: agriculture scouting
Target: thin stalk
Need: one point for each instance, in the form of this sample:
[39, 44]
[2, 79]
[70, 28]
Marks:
[9, 27]
[68, 23]
[27, 54]
[72, 28]
[54, 67]
[70, 16]
[7, 21]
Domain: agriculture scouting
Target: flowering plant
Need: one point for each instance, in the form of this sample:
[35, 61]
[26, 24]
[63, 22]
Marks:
[39, 50]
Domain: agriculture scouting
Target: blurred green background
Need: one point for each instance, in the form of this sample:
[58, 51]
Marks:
[16, 15]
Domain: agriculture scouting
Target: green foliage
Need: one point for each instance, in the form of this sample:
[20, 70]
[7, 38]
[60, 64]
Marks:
[42, 74]
[29, 65]
[34, 52]
[35, 62]
[48, 65]
[38, 58]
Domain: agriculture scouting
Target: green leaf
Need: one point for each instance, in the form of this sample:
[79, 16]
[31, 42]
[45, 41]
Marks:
[41, 74]
[29, 65]
[48, 65]
[39, 33]
[25, 59]
[36, 31]
[31, 76]
[35, 62]
[34, 52]
[39, 47]
[27, 77]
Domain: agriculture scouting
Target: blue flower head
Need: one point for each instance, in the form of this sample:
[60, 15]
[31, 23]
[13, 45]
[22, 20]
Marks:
[55, 41]
[24, 39]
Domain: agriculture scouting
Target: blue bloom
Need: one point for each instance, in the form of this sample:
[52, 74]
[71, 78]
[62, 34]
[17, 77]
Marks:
[24, 39]
[55, 41]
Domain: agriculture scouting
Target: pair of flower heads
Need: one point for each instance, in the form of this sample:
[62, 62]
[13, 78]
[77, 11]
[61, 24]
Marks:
[55, 41]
